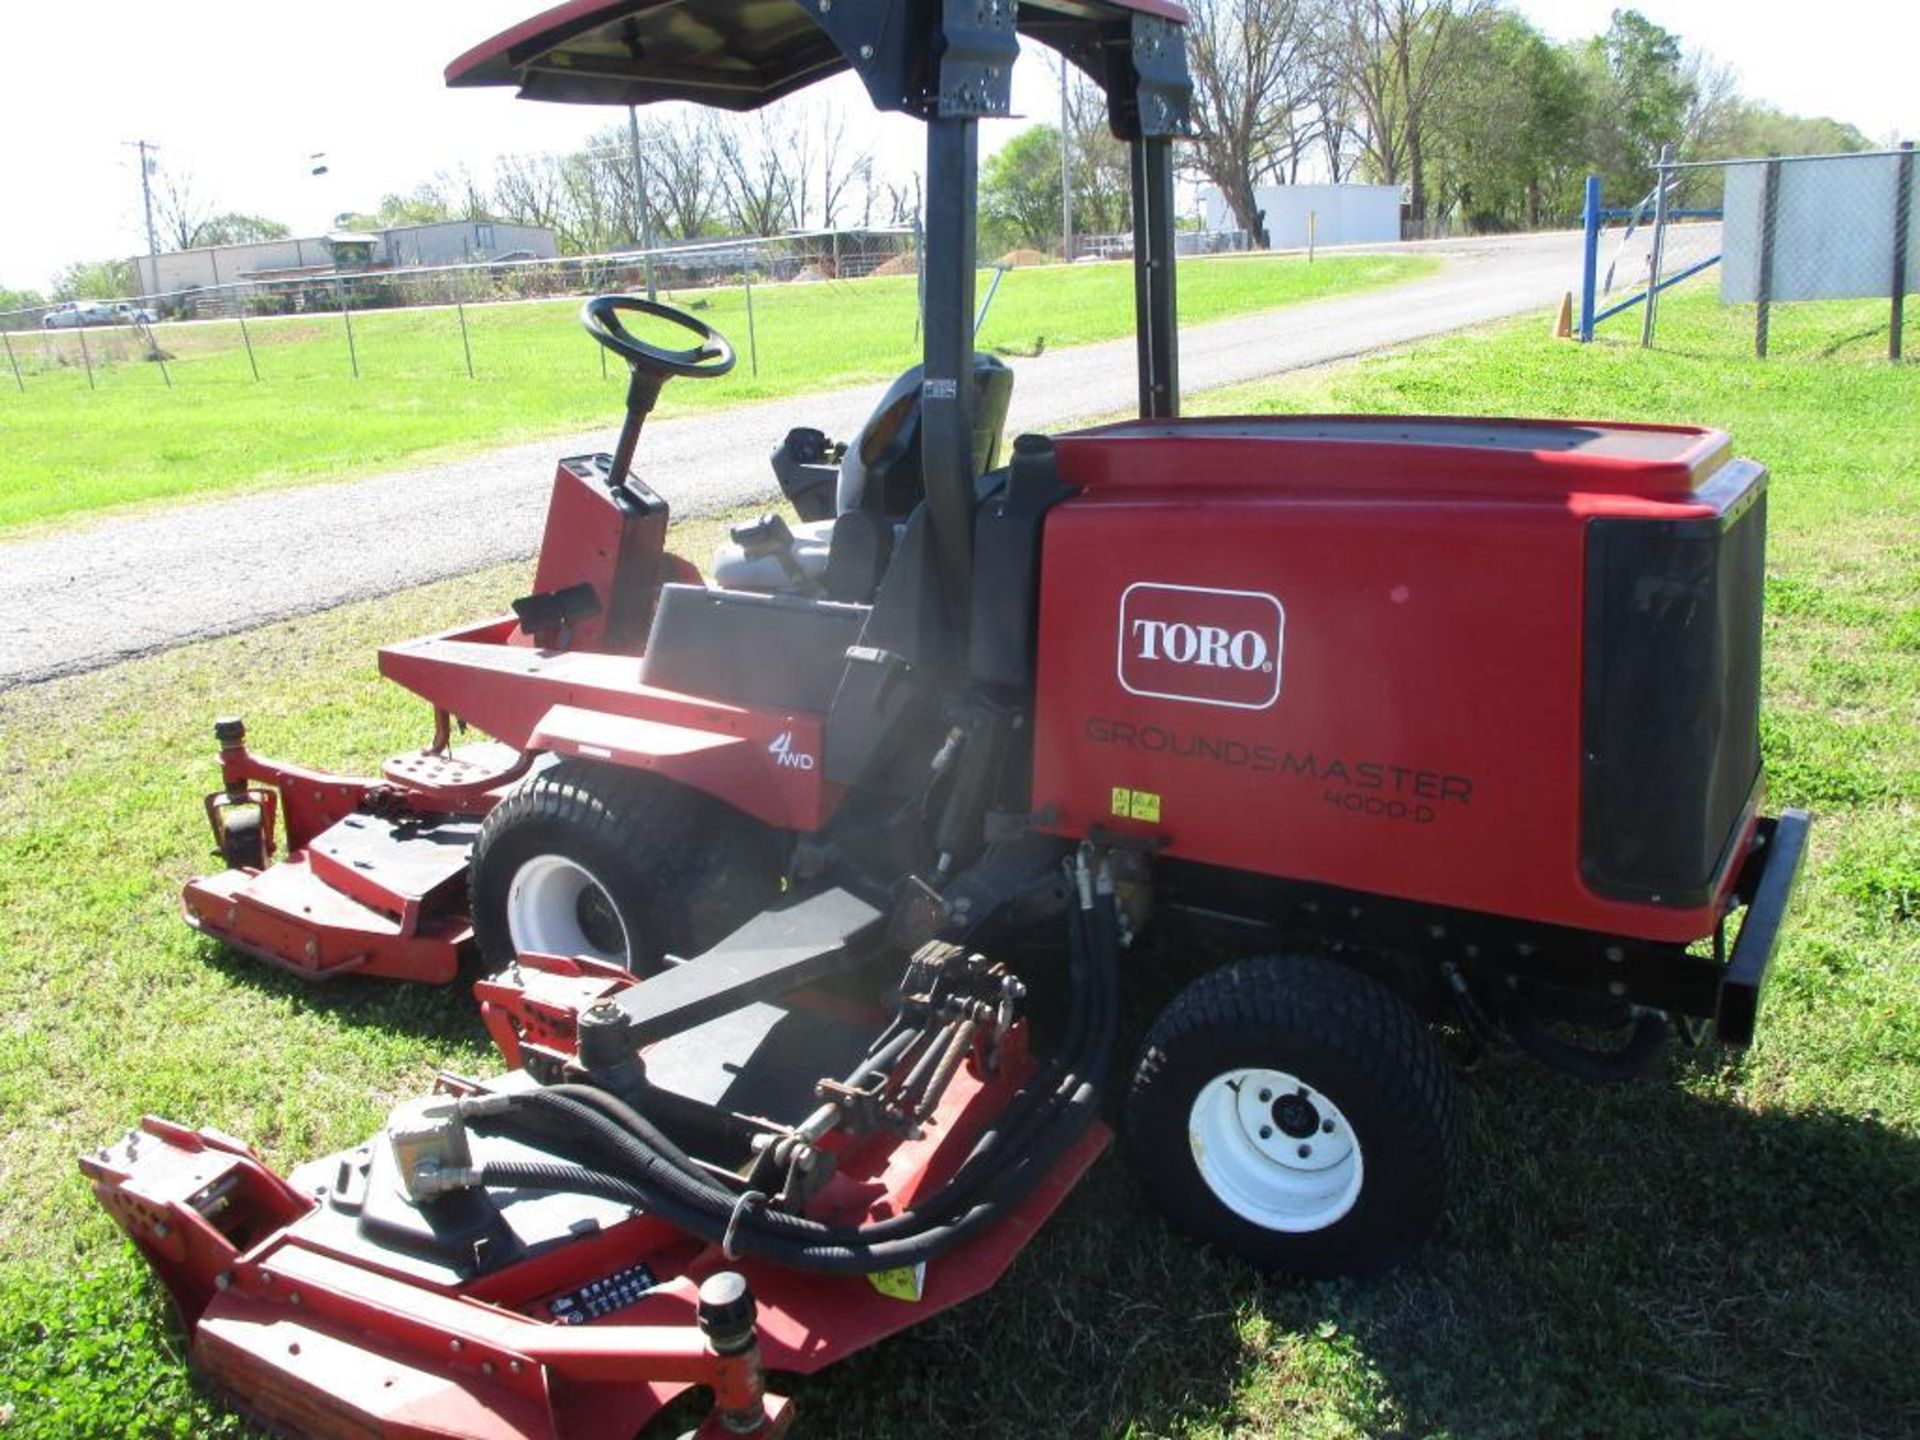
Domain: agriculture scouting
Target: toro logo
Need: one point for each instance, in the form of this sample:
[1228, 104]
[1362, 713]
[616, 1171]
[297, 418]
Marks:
[1208, 647]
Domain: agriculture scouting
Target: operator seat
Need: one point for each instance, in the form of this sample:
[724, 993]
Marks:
[879, 482]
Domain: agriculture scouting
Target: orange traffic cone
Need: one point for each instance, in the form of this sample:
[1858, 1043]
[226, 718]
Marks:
[1563, 324]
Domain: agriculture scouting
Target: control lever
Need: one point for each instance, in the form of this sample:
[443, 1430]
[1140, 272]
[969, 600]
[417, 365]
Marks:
[769, 537]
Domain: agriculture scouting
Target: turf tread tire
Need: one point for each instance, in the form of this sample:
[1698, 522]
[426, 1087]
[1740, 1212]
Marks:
[682, 868]
[1325, 1022]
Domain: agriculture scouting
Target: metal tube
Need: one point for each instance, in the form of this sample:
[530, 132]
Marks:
[346, 313]
[466, 346]
[946, 427]
[1066, 170]
[245, 338]
[753, 339]
[641, 217]
[1902, 234]
[153, 348]
[1661, 174]
[1155, 341]
[7, 340]
[1591, 218]
[1769, 212]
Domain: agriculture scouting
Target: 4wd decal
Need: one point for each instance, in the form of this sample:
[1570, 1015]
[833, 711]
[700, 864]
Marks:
[1201, 646]
[785, 756]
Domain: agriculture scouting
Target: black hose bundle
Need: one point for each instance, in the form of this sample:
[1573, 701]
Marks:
[1012, 1155]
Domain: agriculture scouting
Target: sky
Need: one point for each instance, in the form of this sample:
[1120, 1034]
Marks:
[239, 94]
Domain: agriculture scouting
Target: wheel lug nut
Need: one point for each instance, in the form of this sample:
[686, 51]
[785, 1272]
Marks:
[1266, 1132]
[1265, 1096]
[1305, 1151]
[1326, 1127]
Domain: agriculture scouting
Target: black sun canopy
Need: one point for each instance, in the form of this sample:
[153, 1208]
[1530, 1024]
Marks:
[924, 57]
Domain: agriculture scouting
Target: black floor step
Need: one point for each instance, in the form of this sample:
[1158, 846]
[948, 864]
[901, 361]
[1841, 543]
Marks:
[802, 940]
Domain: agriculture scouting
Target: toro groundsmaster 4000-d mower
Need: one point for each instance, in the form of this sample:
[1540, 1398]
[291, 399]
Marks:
[809, 890]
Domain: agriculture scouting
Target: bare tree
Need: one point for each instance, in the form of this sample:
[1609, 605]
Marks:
[753, 176]
[1394, 55]
[181, 215]
[1100, 165]
[1250, 74]
[531, 190]
[682, 163]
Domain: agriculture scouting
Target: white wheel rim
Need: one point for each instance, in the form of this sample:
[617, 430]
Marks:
[1274, 1150]
[544, 911]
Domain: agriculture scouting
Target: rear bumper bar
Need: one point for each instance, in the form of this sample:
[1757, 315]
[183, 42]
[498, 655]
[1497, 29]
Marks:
[1766, 885]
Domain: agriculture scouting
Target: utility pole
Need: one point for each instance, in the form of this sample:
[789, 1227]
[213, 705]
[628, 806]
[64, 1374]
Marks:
[146, 200]
[641, 214]
[1066, 171]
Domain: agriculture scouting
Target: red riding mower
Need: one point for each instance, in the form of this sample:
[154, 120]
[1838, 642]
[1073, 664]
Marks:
[811, 891]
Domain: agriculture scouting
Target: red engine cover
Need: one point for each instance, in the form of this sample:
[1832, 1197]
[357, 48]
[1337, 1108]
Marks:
[1349, 650]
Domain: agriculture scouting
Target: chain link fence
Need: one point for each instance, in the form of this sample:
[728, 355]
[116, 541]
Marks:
[399, 321]
[1776, 229]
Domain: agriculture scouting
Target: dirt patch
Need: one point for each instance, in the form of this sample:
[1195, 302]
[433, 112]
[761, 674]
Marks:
[1024, 255]
[907, 264]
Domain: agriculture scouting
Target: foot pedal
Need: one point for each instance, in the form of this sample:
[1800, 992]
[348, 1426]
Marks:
[773, 954]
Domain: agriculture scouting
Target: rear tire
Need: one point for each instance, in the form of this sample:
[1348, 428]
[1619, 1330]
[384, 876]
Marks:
[617, 865]
[1289, 1111]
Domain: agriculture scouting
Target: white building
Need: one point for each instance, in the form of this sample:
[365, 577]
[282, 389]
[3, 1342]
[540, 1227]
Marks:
[447, 242]
[1341, 214]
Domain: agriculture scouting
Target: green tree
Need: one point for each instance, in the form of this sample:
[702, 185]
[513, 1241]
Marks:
[20, 299]
[96, 280]
[1020, 191]
[1504, 136]
[234, 228]
[425, 204]
[1639, 97]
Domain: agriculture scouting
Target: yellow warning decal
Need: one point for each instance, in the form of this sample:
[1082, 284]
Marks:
[1136, 804]
[908, 1283]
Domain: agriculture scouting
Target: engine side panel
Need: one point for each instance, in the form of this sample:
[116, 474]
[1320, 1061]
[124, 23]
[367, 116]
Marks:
[1280, 665]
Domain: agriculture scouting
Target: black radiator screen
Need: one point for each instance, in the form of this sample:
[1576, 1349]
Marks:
[1671, 705]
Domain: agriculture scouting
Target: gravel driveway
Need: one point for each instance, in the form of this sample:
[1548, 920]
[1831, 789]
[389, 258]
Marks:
[91, 595]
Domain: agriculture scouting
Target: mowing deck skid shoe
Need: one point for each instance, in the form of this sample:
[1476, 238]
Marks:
[807, 891]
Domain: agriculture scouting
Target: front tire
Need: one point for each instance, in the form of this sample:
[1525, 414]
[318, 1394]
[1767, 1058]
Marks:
[616, 865]
[1291, 1112]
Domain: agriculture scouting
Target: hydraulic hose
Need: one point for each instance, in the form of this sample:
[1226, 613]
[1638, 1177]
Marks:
[1049, 1114]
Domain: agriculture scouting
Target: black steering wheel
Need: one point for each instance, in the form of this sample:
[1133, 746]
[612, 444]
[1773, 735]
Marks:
[709, 360]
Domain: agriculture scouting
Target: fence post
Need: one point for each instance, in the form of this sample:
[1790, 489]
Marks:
[153, 349]
[1655, 255]
[1902, 232]
[753, 342]
[1769, 212]
[460, 309]
[86, 355]
[353, 354]
[1312, 217]
[240, 309]
[1590, 258]
[7, 339]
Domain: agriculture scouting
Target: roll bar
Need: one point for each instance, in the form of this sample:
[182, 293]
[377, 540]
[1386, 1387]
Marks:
[948, 63]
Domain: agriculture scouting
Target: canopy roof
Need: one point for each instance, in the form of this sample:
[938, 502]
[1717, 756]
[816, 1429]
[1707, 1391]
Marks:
[742, 54]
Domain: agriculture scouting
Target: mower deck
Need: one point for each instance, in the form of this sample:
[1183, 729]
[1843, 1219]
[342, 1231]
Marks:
[325, 1315]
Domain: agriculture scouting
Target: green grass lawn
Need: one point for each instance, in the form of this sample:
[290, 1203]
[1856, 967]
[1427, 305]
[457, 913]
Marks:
[67, 450]
[1731, 1249]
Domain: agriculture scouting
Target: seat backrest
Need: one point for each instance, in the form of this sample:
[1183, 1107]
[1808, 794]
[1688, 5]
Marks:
[881, 470]
[774, 651]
